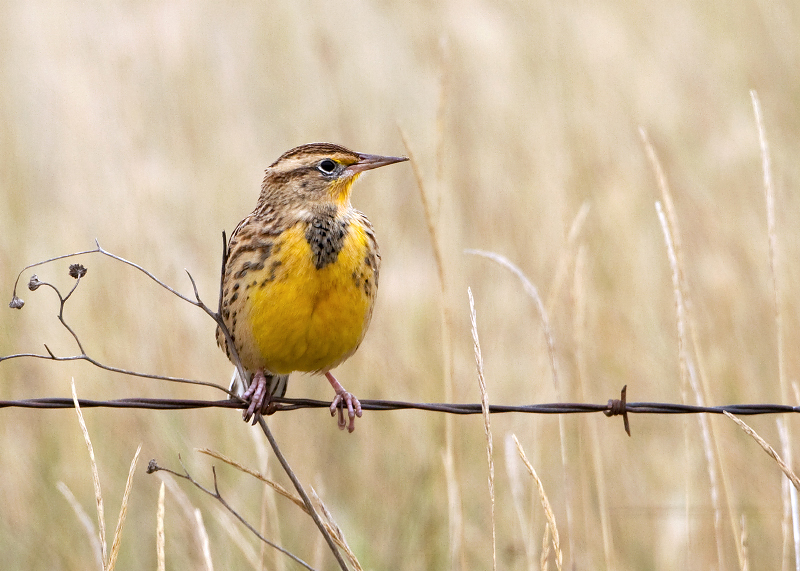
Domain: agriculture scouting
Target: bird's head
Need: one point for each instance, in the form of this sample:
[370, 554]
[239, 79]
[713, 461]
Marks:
[319, 173]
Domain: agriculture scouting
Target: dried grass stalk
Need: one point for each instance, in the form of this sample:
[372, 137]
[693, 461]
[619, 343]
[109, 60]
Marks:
[548, 510]
[161, 554]
[123, 511]
[768, 449]
[486, 423]
[98, 494]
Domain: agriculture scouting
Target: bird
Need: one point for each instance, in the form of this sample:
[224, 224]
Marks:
[300, 277]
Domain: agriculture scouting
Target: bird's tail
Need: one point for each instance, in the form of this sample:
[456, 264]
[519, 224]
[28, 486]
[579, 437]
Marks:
[277, 383]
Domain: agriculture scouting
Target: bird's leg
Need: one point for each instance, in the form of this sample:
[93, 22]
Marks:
[255, 395]
[341, 399]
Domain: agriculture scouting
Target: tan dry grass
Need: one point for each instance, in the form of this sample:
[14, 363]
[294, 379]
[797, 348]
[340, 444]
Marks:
[107, 559]
[768, 449]
[123, 513]
[98, 494]
[149, 125]
[161, 539]
[486, 420]
[552, 528]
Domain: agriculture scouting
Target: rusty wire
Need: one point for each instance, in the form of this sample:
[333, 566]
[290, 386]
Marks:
[614, 407]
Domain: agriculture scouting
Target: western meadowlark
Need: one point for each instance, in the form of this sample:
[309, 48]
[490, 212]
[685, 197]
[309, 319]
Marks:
[301, 275]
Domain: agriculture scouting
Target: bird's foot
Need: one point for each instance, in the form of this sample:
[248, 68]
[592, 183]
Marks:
[256, 395]
[342, 399]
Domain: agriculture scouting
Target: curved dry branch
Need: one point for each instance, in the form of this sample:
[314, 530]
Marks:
[153, 467]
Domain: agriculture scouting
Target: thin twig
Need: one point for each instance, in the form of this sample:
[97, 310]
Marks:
[99, 250]
[299, 487]
[296, 500]
[35, 283]
[154, 467]
[83, 357]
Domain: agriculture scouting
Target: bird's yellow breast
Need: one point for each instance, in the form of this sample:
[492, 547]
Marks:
[303, 317]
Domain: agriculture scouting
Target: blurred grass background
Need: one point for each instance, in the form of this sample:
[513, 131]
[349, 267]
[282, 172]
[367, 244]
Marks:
[148, 125]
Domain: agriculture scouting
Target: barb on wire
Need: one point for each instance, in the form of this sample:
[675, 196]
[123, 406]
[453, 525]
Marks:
[618, 407]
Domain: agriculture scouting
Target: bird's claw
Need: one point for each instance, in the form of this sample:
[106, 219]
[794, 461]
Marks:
[256, 395]
[342, 399]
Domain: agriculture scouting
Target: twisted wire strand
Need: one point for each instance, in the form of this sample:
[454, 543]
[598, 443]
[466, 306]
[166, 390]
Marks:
[289, 404]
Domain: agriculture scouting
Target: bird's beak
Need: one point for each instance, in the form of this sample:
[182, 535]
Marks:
[369, 162]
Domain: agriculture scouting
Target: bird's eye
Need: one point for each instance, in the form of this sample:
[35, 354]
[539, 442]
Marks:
[326, 166]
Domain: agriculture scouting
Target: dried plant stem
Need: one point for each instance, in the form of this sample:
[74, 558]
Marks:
[194, 513]
[548, 510]
[579, 328]
[123, 511]
[695, 369]
[86, 522]
[772, 234]
[743, 544]
[449, 458]
[197, 528]
[486, 422]
[161, 553]
[109, 560]
[205, 544]
[790, 495]
[514, 469]
[689, 379]
[545, 555]
[768, 449]
[533, 292]
[301, 491]
[566, 256]
[774, 267]
[98, 495]
[335, 531]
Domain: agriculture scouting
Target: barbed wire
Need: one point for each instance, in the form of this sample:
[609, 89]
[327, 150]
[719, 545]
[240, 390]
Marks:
[289, 404]
[614, 407]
